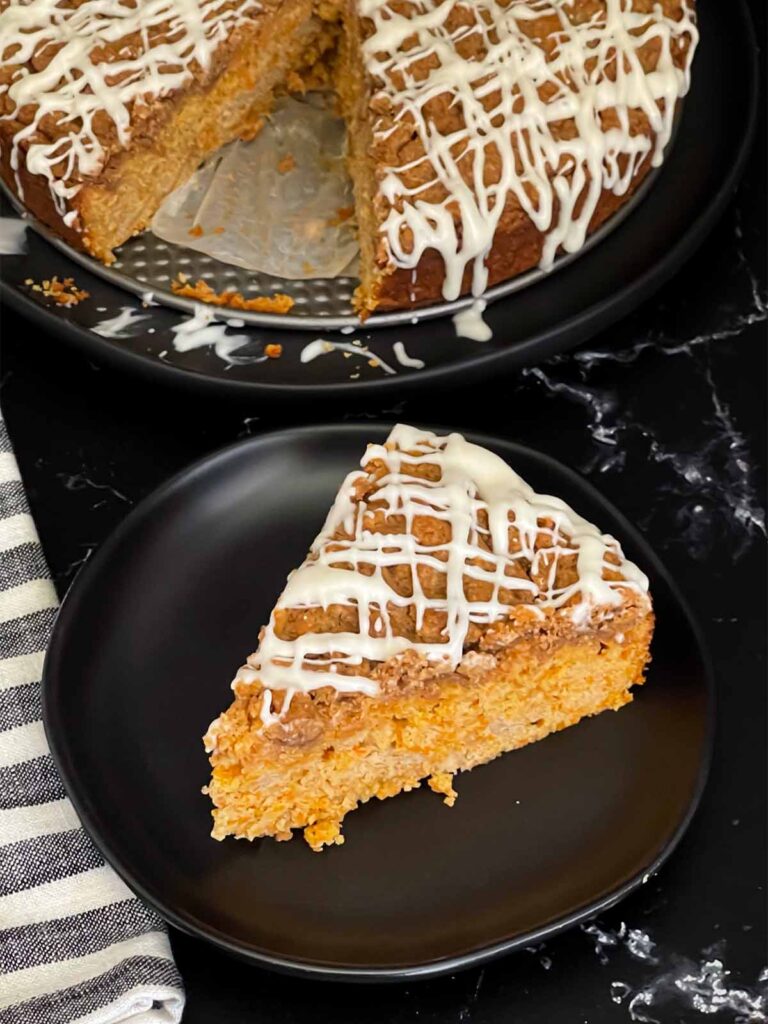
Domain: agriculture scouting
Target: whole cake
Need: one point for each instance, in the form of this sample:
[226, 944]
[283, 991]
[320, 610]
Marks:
[485, 136]
[445, 614]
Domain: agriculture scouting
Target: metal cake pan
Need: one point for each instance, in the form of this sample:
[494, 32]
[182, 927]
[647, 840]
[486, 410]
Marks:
[147, 265]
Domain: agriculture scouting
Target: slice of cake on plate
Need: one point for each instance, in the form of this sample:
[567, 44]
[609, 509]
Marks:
[445, 614]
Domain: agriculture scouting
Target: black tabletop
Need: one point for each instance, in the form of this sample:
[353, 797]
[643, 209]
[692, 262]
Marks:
[666, 414]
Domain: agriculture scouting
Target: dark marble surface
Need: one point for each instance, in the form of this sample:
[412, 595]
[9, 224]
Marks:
[666, 414]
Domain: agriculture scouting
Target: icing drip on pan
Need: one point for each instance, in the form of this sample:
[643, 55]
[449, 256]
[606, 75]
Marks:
[504, 94]
[473, 487]
[469, 323]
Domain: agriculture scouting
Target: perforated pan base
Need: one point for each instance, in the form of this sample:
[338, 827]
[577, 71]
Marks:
[146, 264]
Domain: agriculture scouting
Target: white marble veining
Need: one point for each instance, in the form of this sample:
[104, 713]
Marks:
[675, 985]
[709, 475]
[81, 481]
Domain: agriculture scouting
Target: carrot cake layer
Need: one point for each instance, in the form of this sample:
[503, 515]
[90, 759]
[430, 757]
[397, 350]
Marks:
[445, 614]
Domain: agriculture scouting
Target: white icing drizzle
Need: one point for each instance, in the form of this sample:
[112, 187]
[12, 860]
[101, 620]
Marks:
[404, 359]
[156, 47]
[469, 322]
[200, 330]
[509, 97]
[322, 347]
[115, 326]
[472, 480]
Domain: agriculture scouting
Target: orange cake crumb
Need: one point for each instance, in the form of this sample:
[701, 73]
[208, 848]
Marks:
[65, 292]
[273, 351]
[342, 214]
[287, 164]
[442, 782]
[202, 292]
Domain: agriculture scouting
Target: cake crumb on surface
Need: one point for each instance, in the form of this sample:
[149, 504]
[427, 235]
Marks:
[286, 164]
[203, 292]
[273, 351]
[64, 292]
[342, 214]
[196, 231]
[442, 782]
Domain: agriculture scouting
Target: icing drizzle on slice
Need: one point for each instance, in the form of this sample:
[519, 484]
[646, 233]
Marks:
[497, 524]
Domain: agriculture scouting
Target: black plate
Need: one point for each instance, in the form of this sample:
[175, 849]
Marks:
[142, 654]
[552, 315]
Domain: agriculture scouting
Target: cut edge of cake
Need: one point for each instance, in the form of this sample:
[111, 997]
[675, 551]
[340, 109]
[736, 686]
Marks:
[535, 637]
[476, 218]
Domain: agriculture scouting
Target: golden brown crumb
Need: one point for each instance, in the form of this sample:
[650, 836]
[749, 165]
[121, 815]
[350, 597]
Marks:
[342, 213]
[65, 293]
[323, 833]
[442, 782]
[287, 164]
[196, 231]
[219, 230]
[273, 351]
[203, 292]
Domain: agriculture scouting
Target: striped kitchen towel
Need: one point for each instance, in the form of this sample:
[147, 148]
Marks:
[75, 943]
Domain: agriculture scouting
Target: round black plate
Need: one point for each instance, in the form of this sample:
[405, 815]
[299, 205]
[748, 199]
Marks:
[574, 303]
[140, 662]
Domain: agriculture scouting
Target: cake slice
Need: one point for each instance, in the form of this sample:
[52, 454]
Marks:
[445, 614]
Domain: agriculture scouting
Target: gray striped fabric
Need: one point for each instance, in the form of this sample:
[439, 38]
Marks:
[75, 944]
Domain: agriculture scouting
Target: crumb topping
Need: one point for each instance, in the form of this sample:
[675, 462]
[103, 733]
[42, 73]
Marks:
[434, 550]
[202, 292]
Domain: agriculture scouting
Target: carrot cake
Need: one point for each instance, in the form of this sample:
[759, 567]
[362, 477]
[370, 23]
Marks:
[445, 614]
[485, 136]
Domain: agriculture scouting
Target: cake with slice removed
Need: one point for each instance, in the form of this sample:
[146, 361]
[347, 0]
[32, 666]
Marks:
[485, 136]
[445, 614]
